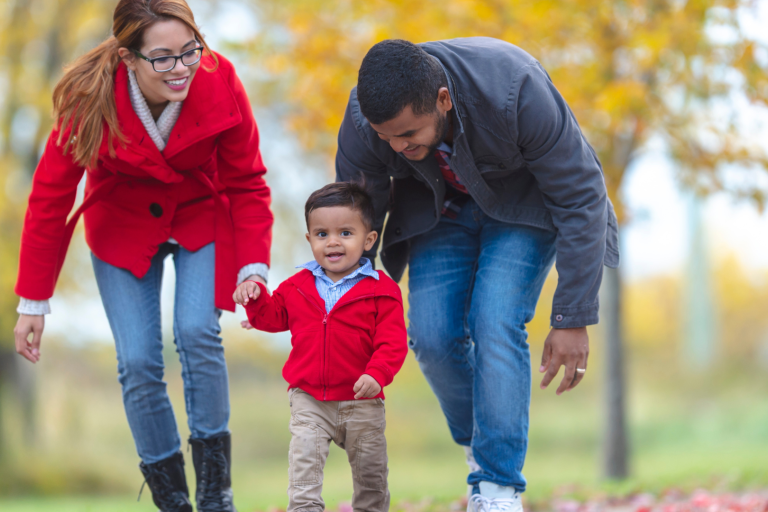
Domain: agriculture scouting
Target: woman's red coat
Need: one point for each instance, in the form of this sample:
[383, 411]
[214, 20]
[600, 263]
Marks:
[215, 137]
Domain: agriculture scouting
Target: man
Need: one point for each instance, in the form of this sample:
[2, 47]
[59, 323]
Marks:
[486, 177]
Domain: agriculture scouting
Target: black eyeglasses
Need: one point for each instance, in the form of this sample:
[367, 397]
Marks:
[168, 62]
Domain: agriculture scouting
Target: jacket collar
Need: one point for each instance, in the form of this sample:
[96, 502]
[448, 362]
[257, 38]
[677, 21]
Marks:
[305, 282]
[209, 108]
[458, 123]
[365, 268]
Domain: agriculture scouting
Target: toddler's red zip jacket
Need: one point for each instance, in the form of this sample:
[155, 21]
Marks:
[363, 334]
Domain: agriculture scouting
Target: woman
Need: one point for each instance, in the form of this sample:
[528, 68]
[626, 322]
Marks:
[164, 129]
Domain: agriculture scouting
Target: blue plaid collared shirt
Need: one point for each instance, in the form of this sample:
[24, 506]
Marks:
[331, 292]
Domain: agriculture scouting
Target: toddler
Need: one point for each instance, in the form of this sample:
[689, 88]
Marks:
[348, 341]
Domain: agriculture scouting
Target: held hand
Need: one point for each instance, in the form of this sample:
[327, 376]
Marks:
[569, 348]
[26, 325]
[366, 387]
[245, 324]
[247, 291]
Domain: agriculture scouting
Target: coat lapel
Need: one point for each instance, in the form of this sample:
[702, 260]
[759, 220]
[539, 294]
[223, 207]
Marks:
[210, 108]
[140, 141]
[140, 152]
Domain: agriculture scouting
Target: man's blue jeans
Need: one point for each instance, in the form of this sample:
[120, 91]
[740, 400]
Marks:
[133, 310]
[473, 285]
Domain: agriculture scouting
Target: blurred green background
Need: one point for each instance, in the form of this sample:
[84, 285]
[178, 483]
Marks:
[672, 95]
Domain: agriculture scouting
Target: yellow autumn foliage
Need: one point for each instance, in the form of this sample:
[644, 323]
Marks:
[630, 69]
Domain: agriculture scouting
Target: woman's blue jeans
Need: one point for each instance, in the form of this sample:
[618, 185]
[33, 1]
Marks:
[473, 285]
[133, 310]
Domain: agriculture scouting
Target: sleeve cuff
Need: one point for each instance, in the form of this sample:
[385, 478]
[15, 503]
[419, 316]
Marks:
[259, 269]
[33, 307]
[569, 318]
[379, 375]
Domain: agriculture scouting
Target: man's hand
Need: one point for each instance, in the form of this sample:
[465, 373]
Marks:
[246, 292]
[567, 347]
[366, 387]
[26, 325]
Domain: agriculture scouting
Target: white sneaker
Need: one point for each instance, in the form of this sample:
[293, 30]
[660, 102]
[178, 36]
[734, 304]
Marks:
[496, 499]
[479, 503]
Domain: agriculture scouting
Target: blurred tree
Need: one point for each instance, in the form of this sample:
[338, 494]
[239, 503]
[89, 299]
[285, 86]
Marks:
[656, 314]
[36, 39]
[679, 72]
[700, 333]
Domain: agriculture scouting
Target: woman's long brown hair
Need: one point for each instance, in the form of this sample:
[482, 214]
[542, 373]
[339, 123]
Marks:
[84, 98]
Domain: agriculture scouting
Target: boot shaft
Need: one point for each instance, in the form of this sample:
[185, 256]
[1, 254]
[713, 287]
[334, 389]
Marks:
[168, 483]
[212, 459]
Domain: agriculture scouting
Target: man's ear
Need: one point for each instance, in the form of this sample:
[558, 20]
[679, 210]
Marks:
[128, 57]
[444, 101]
[370, 239]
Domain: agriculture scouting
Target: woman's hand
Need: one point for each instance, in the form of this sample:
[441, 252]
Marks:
[26, 325]
[247, 291]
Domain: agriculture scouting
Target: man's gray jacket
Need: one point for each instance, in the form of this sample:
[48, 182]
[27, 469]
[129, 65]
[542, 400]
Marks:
[520, 153]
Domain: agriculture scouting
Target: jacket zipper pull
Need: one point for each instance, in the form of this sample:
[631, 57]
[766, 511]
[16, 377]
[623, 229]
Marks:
[325, 318]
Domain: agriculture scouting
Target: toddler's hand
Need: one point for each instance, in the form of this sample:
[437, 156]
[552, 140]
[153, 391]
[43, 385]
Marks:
[366, 387]
[245, 292]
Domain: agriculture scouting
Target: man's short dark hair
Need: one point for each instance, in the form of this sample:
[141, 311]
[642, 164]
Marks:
[344, 193]
[394, 74]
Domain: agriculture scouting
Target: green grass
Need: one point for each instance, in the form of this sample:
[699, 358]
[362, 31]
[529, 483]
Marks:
[687, 431]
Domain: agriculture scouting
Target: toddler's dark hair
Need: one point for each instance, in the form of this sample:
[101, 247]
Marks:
[344, 193]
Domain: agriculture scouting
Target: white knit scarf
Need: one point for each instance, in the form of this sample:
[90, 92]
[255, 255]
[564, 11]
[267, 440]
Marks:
[159, 131]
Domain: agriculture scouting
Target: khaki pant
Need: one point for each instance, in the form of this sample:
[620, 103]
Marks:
[357, 426]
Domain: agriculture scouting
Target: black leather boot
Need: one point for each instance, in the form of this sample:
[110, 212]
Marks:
[213, 459]
[168, 484]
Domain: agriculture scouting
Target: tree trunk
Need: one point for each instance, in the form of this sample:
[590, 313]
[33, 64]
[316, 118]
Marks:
[615, 448]
[700, 315]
